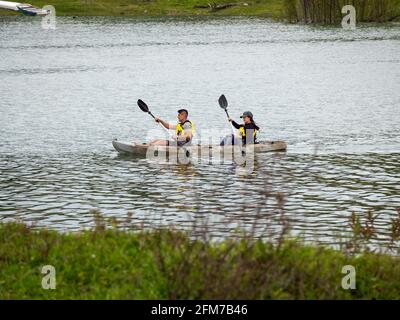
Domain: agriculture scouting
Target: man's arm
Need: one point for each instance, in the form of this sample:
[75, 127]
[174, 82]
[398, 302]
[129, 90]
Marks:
[166, 124]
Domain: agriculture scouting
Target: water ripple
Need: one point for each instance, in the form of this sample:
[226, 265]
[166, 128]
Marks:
[321, 191]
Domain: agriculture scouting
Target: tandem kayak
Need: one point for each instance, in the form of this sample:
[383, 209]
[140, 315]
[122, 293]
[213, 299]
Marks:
[141, 149]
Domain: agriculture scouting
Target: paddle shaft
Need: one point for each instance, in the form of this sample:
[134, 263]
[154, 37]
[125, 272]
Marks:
[149, 112]
[227, 114]
[143, 106]
[223, 103]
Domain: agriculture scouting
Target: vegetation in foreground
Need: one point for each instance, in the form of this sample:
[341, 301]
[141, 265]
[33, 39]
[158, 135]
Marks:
[307, 11]
[108, 263]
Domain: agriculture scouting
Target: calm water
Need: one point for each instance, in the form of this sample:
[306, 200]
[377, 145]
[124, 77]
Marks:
[332, 95]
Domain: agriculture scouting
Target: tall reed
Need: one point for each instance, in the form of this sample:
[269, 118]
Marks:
[329, 11]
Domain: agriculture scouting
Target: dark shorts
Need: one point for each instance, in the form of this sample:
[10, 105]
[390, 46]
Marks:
[178, 143]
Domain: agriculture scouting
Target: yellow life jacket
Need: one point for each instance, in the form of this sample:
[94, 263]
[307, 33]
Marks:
[242, 132]
[180, 131]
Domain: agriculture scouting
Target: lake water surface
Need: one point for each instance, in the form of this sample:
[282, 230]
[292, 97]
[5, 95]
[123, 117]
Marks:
[332, 95]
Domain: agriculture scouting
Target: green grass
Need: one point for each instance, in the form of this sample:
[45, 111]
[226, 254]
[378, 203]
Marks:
[289, 10]
[165, 264]
[269, 8]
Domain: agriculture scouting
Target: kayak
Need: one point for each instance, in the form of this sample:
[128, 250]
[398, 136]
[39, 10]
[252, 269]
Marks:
[142, 149]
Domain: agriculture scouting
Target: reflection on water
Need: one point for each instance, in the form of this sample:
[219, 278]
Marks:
[65, 94]
[320, 191]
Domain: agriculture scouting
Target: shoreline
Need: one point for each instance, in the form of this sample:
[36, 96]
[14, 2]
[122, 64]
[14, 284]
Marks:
[190, 8]
[290, 11]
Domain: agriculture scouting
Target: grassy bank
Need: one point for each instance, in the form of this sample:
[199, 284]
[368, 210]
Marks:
[308, 11]
[110, 264]
[262, 8]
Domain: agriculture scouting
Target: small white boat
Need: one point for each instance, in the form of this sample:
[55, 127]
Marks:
[138, 149]
[24, 8]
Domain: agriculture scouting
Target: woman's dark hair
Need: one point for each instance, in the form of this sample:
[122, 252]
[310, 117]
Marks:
[255, 125]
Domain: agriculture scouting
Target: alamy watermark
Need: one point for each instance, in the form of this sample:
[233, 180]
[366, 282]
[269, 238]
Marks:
[349, 280]
[49, 20]
[209, 150]
[349, 20]
[49, 279]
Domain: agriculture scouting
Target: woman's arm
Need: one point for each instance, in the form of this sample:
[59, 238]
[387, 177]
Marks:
[236, 125]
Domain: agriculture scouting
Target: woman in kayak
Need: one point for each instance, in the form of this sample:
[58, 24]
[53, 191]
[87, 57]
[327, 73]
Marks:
[184, 131]
[247, 130]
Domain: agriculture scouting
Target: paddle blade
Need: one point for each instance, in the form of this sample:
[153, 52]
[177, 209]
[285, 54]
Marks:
[223, 103]
[142, 105]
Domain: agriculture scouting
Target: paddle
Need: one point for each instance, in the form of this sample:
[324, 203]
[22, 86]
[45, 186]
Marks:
[223, 103]
[144, 107]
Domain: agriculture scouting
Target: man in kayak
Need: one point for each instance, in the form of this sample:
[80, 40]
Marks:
[184, 131]
[247, 130]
